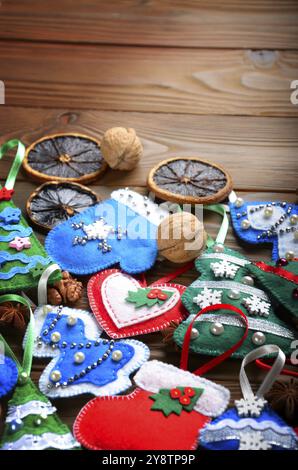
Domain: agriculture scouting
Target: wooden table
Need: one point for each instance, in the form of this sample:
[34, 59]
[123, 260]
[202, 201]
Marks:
[208, 78]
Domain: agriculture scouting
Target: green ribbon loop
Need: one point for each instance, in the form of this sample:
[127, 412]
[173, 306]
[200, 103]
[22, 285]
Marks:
[222, 233]
[19, 157]
[28, 350]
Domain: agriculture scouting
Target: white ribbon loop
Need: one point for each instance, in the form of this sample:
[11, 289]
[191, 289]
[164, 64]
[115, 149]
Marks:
[42, 294]
[272, 375]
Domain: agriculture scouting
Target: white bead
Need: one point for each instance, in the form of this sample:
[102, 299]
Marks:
[239, 202]
[268, 212]
[79, 357]
[294, 219]
[55, 375]
[55, 337]
[194, 333]
[117, 355]
[258, 338]
[247, 280]
[218, 248]
[217, 329]
[234, 294]
[72, 320]
[290, 255]
[245, 224]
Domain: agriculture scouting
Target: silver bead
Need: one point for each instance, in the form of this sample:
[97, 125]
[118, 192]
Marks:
[245, 224]
[217, 329]
[117, 355]
[55, 375]
[258, 338]
[234, 294]
[218, 248]
[72, 320]
[55, 337]
[247, 280]
[268, 212]
[194, 333]
[294, 219]
[239, 202]
[290, 255]
[23, 377]
[79, 357]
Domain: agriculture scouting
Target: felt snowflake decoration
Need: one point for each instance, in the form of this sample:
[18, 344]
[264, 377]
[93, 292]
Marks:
[253, 441]
[99, 230]
[250, 407]
[208, 297]
[257, 306]
[224, 269]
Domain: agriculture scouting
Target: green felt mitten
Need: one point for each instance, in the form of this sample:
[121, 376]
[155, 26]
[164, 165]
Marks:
[31, 422]
[22, 257]
[225, 279]
[280, 281]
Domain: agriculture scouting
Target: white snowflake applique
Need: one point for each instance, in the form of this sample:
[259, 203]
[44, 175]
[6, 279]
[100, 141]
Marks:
[257, 306]
[208, 297]
[224, 269]
[253, 441]
[250, 406]
[98, 230]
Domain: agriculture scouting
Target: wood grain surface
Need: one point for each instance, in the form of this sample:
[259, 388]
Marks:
[206, 78]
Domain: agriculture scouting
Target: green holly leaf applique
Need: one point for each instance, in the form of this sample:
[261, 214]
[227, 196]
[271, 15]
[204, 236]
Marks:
[175, 400]
[148, 297]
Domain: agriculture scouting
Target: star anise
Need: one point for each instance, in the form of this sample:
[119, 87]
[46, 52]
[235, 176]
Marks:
[66, 291]
[283, 398]
[168, 332]
[14, 314]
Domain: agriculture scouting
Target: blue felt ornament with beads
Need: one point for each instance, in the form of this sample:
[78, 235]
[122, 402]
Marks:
[267, 222]
[251, 425]
[8, 375]
[83, 361]
[121, 230]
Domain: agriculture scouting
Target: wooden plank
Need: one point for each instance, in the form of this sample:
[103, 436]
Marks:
[260, 153]
[186, 81]
[207, 23]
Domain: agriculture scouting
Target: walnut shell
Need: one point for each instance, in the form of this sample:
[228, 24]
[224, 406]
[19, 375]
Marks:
[66, 291]
[181, 237]
[121, 148]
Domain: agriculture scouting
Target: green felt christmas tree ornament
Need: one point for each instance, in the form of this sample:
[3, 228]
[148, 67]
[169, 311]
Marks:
[280, 281]
[31, 422]
[22, 257]
[226, 279]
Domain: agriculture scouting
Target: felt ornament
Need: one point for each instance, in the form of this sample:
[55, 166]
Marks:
[121, 230]
[124, 306]
[225, 277]
[22, 258]
[165, 412]
[31, 422]
[83, 362]
[275, 223]
[8, 375]
[251, 425]
[280, 281]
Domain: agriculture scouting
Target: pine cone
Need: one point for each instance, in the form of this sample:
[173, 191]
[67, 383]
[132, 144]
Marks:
[283, 398]
[66, 291]
[14, 314]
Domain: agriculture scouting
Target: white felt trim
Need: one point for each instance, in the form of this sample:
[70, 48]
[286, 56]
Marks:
[144, 207]
[92, 329]
[226, 257]
[122, 383]
[155, 375]
[33, 407]
[114, 291]
[44, 441]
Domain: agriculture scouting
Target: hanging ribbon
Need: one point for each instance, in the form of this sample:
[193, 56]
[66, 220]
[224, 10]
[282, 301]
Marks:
[220, 209]
[217, 360]
[42, 290]
[263, 365]
[270, 378]
[19, 157]
[28, 350]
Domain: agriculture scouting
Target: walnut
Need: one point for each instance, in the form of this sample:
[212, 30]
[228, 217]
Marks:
[66, 291]
[181, 237]
[121, 148]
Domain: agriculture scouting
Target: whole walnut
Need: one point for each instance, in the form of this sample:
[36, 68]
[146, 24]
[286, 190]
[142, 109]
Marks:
[66, 291]
[181, 237]
[121, 148]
